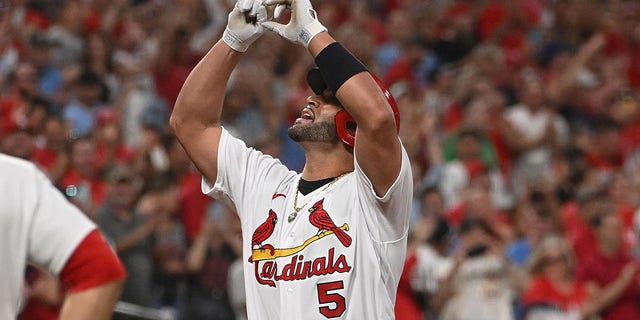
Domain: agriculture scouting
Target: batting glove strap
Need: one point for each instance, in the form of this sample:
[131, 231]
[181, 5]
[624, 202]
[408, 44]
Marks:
[311, 30]
[240, 33]
[233, 41]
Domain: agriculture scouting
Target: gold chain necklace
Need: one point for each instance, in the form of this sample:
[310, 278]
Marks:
[297, 209]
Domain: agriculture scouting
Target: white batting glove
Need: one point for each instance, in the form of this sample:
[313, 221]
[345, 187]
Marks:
[249, 7]
[302, 27]
[239, 33]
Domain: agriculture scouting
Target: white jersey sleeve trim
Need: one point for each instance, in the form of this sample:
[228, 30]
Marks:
[215, 189]
[404, 164]
[208, 187]
[389, 219]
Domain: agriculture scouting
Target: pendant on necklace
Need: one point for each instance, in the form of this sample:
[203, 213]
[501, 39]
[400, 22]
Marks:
[292, 216]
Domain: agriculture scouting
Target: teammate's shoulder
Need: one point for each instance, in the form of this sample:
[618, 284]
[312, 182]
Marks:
[15, 166]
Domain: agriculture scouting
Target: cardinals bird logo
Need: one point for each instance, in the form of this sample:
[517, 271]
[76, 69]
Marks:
[264, 231]
[321, 219]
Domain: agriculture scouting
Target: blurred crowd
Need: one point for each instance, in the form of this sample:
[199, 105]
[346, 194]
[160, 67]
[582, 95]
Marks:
[522, 120]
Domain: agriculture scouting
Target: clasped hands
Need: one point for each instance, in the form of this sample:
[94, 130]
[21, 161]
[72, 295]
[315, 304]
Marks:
[249, 19]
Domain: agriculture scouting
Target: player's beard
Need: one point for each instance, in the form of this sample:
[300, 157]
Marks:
[318, 131]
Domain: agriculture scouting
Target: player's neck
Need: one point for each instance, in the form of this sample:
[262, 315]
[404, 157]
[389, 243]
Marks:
[305, 187]
[322, 164]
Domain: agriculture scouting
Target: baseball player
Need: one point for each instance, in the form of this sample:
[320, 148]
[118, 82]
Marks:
[38, 225]
[329, 242]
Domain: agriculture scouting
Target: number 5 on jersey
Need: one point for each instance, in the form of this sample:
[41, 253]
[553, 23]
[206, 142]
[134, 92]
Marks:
[324, 297]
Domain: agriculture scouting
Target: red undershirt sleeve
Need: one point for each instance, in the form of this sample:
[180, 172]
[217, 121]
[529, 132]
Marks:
[92, 264]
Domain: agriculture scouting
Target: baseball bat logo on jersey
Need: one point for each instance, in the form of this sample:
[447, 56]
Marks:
[263, 255]
[321, 219]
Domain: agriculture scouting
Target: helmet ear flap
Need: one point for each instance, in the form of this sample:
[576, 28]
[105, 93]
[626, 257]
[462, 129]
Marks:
[345, 124]
[346, 127]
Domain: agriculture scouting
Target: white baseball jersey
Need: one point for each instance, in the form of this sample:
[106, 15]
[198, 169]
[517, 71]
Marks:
[340, 257]
[37, 225]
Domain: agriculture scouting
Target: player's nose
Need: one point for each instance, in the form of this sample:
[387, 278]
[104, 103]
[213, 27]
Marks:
[313, 101]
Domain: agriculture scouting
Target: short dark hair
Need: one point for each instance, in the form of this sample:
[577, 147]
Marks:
[162, 181]
[89, 77]
[470, 132]
[73, 141]
[469, 224]
[589, 194]
[596, 221]
[440, 233]
[168, 140]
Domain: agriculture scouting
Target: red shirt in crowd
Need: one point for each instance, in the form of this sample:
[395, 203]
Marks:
[122, 154]
[580, 234]
[193, 204]
[458, 213]
[169, 82]
[44, 156]
[13, 111]
[542, 291]
[577, 230]
[97, 187]
[406, 306]
[603, 270]
[630, 137]
[616, 45]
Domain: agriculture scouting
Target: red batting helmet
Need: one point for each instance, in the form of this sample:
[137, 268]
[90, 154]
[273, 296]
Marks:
[345, 124]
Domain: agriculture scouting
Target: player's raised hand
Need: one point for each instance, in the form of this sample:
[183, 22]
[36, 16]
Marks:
[250, 9]
[302, 27]
[240, 32]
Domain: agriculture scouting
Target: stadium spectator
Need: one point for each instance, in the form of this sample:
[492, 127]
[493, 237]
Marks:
[50, 152]
[128, 226]
[193, 204]
[110, 149]
[536, 216]
[208, 260]
[481, 284]
[81, 111]
[610, 269]
[21, 87]
[554, 292]
[536, 130]
[49, 78]
[82, 181]
[169, 241]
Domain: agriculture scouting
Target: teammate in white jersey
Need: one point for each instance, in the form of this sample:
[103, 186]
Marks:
[329, 242]
[38, 225]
